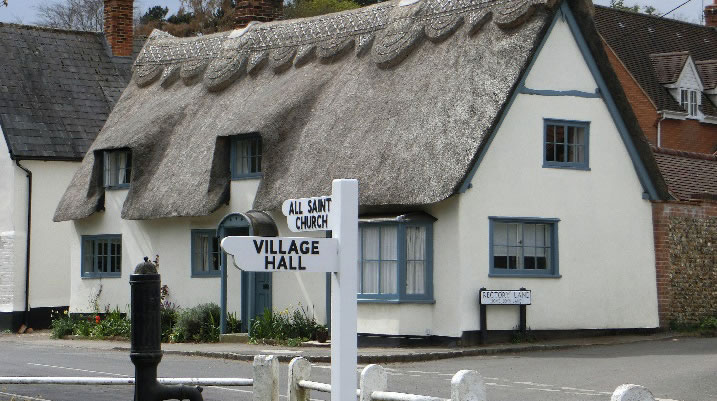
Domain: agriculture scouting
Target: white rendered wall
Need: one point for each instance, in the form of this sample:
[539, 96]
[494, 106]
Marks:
[170, 238]
[606, 250]
[8, 269]
[50, 241]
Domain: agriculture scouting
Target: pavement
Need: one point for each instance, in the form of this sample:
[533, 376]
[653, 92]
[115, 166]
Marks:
[246, 352]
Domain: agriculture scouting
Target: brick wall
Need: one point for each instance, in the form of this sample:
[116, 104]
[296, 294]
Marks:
[711, 14]
[119, 26]
[7, 270]
[257, 10]
[689, 135]
[642, 106]
[686, 260]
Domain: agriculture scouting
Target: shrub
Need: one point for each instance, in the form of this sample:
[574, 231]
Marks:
[197, 324]
[709, 323]
[62, 326]
[286, 327]
[233, 323]
[114, 324]
[168, 315]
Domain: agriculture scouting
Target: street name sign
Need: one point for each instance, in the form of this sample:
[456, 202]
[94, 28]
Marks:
[505, 297]
[274, 254]
[308, 214]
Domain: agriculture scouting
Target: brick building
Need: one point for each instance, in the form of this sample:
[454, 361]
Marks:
[668, 70]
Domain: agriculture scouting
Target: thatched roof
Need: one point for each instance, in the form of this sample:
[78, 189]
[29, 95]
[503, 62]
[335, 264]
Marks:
[400, 97]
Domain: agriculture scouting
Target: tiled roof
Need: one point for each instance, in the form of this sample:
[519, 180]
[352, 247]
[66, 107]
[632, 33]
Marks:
[668, 66]
[688, 174]
[57, 88]
[634, 37]
[708, 73]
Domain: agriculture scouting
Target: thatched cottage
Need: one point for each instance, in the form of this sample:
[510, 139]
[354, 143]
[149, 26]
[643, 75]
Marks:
[492, 142]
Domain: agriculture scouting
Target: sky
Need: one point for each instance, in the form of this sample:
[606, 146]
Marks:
[24, 11]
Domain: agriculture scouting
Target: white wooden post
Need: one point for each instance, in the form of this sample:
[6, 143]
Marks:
[343, 291]
[373, 378]
[266, 378]
[467, 385]
[299, 369]
[631, 392]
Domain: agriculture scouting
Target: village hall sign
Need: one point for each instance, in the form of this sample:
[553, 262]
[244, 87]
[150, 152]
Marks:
[337, 255]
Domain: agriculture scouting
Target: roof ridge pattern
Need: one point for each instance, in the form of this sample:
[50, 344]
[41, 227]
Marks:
[49, 29]
[682, 153]
[389, 31]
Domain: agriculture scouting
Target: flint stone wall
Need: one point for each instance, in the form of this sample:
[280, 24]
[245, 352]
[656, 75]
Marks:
[686, 260]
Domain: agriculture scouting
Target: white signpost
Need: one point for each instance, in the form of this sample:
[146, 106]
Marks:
[339, 213]
[308, 214]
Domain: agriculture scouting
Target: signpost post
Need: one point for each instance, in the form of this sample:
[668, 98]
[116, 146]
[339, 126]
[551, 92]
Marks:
[339, 213]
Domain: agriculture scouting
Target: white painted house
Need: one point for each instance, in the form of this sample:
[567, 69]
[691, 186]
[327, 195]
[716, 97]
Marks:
[493, 146]
[56, 90]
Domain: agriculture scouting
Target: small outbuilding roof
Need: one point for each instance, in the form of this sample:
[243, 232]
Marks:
[401, 95]
[57, 88]
[688, 175]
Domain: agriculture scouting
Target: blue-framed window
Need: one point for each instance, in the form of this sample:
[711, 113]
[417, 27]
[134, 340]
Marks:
[246, 156]
[524, 246]
[396, 261]
[206, 255]
[117, 168]
[566, 144]
[102, 255]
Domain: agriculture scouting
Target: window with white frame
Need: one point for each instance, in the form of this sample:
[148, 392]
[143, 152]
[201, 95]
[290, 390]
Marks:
[102, 255]
[566, 144]
[395, 261]
[246, 156]
[523, 246]
[206, 254]
[689, 100]
[117, 168]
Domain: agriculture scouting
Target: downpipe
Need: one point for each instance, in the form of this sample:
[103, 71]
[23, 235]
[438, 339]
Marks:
[28, 173]
[146, 336]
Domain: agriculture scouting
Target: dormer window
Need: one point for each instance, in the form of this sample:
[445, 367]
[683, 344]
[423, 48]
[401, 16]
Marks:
[246, 156]
[117, 168]
[689, 101]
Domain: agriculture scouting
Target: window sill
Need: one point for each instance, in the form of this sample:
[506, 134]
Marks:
[524, 275]
[395, 301]
[95, 276]
[115, 187]
[567, 167]
[206, 275]
[247, 177]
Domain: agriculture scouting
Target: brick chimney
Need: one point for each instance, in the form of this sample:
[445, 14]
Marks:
[711, 14]
[119, 26]
[247, 11]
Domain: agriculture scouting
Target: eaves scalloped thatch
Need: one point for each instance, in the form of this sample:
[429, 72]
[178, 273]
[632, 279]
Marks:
[398, 96]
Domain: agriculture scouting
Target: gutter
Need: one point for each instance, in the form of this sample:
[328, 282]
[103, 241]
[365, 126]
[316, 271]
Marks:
[28, 173]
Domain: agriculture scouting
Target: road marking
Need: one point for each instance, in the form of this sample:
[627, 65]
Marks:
[542, 389]
[498, 385]
[24, 397]
[77, 370]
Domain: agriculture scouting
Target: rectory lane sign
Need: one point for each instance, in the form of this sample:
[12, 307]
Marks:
[262, 254]
[308, 214]
[505, 297]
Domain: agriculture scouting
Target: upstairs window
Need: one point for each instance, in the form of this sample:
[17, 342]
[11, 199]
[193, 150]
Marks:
[246, 157]
[205, 253]
[566, 144]
[117, 168]
[395, 261]
[689, 101]
[101, 255]
[527, 247]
